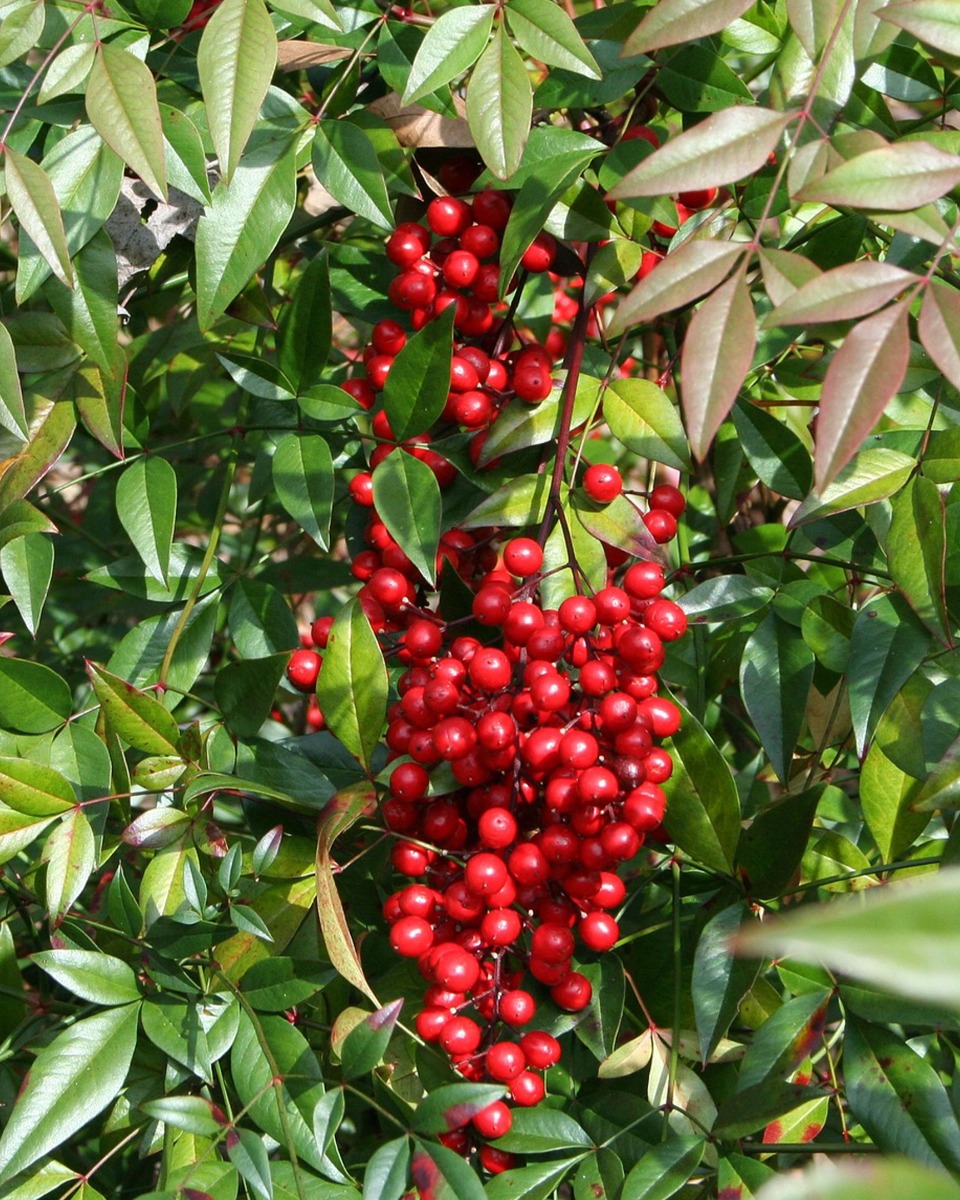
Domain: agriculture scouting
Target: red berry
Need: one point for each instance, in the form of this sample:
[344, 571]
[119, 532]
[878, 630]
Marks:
[494, 1120]
[504, 1061]
[539, 255]
[303, 669]
[662, 525]
[541, 1049]
[516, 1007]
[666, 619]
[523, 557]
[447, 216]
[573, 994]
[602, 483]
[411, 936]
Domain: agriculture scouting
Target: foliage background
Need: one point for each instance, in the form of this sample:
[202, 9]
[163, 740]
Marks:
[172, 510]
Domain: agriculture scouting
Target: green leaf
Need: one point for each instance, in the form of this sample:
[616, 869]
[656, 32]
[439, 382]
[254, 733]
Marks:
[897, 1096]
[71, 1080]
[716, 356]
[902, 938]
[872, 475]
[70, 855]
[245, 691]
[539, 1129]
[723, 148]
[841, 294]
[365, 1045]
[887, 645]
[725, 598]
[453, 44]
[147, 508]
[249, 1155]
[90, 974]
[20, 518]
[500, 105]
[88, 310]
[865, 1180]
[21, 30]
[174, 1027]
[719, 981]
[613, 264]
[327, 1117]
[27, 566]
[917, 552]
[673, 21]
[664, 1170]
[452, 1105]
[772, 847]
[644, 418]
[280, 983]
[42, 1180]
[897, 178]
[352, 689]
[887, 794]
[407, 499]
[521, 501]
[35, 205]
[121, 100]
[34, 789]
[235, 62]
[939, 328]
[260, 620]
[548, 35]
[68, 72]
[703, 813]
[386, 1175]
[257, 376]
[774, 451]
[942, 788]
[86, 177]
[303, 476]
[690, 271]
[17, 832]
[183, 154]
[418, 382]
[304, 327]
[863, 377]
[33, 699]
[241, 228]
[826, 626]
[785, 1039]
[696, 80]
[347, 165]
[193, 1114]
[538, 1181]
[775, 676]
[137, 717]
[13, 416]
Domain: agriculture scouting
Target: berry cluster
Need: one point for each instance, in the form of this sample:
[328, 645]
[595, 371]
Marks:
[525, 764]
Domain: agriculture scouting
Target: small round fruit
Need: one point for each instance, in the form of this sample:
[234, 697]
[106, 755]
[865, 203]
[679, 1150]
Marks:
[602, 483]
[303, 670]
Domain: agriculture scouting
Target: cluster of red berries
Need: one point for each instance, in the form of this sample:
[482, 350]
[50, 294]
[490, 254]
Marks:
[525, 764]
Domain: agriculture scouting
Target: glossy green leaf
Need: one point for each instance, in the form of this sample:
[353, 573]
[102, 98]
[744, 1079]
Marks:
[539, 1129]
[17, 832]
[257, 376]
[897, 178]
[352, 688]
[775, 676]
[453, 43]
[386, 1175]
[774, 451]
[33, 698]
[942, 788]
[147, 508]
[27, 567]
[826, 626]
[190, 1113]
[664, 1170]
[249, 1155]
[174, 1026]
[260, 620]
[772, 847]
[863, 376]
[887, 795]
[280, 982]
[886, 646]
[121, 100]
[72, 1079]
[36, 207]
[696, 80]
[235, 62]
[86, 176]
[500, 105]
[873, 474]
[303, 477]
[407, 498]
[865, 1179]
[34, 789]
[245, 691]
[690, 271]
[673, 21]
[537, 1181]
[716, 356]
[599, 1176]
[719, 979]
[88, 310]
[21, 30]
[521, 501]
[13, 416]
[364, 1046]
[611, 267]
[183, 154]
[418, 382]
[617, 524]
[242, 226]
[916, 552]
[347, 165]
[725, 598]
[304, 330]
[939, 329]
[723, 148]
[136, 716]
[91, 975]
[644, 418]
[444, 1174]
[70, 855]
[452, 1105]
[703, 813]
[548, 35]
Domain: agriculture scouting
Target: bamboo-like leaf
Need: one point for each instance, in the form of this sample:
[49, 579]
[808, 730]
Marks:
[917, 552]
[900, 177]
[122, 106]
[36, 207]
[863, 377]
[347, 165]
[848, 291]
[939, 328]
[453, 44]
[138, 717]
[352, 689]
[727, 146]
[27, 567]
[717, 353]
[407, 497]
[687, 273]
[304, 479]
[70, 855]
[548, 35]
[500, 105]
[13, 416]
[147, 508]
[936, 22]
[673, 21]
[235, 62]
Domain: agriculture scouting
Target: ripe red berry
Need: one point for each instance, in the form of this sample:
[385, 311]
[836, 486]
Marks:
[666, 619]
[598, 931]
[303, 669]
[574, 993]
[522, 556]
[447, 216]
[527, 1089]
[541, 1049]
[661, 525]
[494, 1120]
[516, 1007]
[541, 252]
[504, 1061]
[602, 483]
[669, 498]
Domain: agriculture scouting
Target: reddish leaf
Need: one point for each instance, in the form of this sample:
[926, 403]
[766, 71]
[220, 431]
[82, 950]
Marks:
[899, 177]
[849, 291]
[717, 353]
[864, 376]
[673, 21]
[939, 329]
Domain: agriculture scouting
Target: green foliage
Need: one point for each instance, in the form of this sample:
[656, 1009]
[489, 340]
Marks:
[758, 205]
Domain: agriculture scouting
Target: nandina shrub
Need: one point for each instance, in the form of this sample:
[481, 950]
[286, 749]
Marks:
[478, 522]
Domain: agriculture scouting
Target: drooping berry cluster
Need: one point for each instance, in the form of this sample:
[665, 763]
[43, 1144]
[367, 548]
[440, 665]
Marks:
[525, 763]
